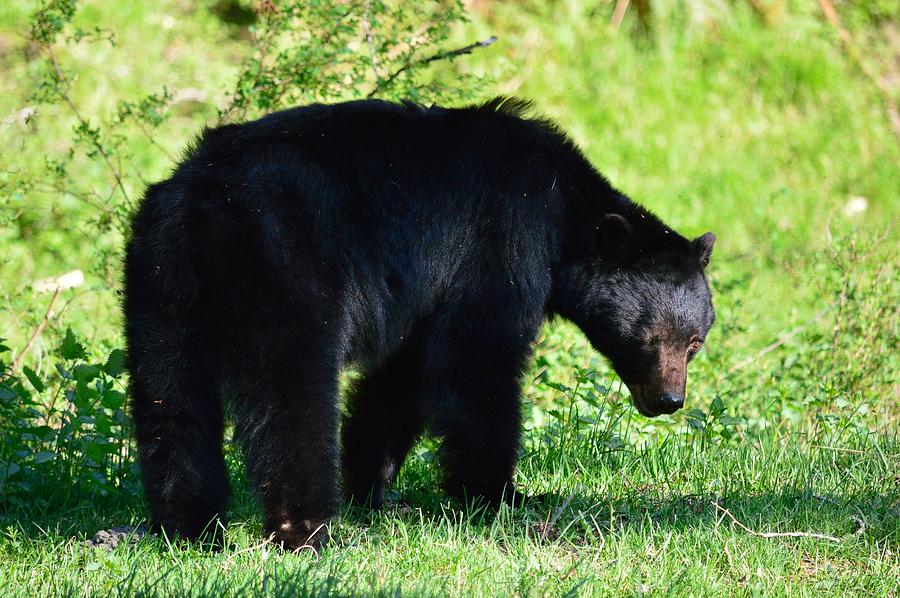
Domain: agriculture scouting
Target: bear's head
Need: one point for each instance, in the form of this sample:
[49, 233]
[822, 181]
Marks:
[640, 295]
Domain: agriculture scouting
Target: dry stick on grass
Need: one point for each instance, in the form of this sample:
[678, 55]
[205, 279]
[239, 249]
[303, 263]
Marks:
[835, 21]
[774, 534]
[309, 546]
[269, 541]
[767, 349]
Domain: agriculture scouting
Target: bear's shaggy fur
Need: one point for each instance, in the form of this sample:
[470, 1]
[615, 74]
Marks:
[423, 246]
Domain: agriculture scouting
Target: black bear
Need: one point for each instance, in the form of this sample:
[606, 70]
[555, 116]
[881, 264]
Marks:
[422, 246]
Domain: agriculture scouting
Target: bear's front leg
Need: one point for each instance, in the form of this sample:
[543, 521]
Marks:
[473, 406]
[480, 447]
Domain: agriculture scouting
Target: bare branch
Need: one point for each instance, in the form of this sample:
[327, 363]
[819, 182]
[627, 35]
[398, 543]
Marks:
[37, 331]
[439, 56]
[155, 143]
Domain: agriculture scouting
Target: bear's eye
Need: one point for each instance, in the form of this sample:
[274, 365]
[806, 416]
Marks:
[695, 345]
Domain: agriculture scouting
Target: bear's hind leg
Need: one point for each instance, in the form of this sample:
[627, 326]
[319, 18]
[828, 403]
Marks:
[178, 423]
[384, 421]
[287, 421]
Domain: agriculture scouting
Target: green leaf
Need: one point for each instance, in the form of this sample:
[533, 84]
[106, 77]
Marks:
[7, 470]
[71, 348]
[7, 393]
[43, 457]
[696, 419]
[717, 407]
[85, 372]
[557, 386]
[103, 425]
[115, 363]
[113, 399]
[3, 347]
[36, 382]
[696, 414]
[727, 420]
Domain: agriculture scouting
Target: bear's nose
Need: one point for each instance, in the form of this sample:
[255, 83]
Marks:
[670, 403]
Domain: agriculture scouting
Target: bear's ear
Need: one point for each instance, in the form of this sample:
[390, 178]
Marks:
[614, 236]
[703, 246]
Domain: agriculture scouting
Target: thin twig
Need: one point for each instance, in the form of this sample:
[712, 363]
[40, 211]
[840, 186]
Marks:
[155, 143]
[767, 349]
[263, 51]
[385, 82]
[835, 21]
[49, 188]
[262, 46]
[619, 13]
[265, 46]
[37, 331]
[309, 546]
[842, 303]
[370, 40]
[784, 339]
[774, 534]
[97, 145]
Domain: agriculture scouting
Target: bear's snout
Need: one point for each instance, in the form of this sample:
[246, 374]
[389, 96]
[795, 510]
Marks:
[670, 403]
[652, 403]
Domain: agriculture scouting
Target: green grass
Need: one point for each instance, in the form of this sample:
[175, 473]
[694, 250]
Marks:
[618, 519]
[760, 134]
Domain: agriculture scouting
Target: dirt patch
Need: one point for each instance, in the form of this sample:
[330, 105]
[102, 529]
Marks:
[543, 532]
[113, 537]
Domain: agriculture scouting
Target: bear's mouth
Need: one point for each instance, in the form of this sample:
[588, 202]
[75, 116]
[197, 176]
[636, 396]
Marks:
[637, 398]
[645, 411]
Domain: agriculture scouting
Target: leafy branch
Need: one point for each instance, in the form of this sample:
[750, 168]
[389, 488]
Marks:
[48, 24]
